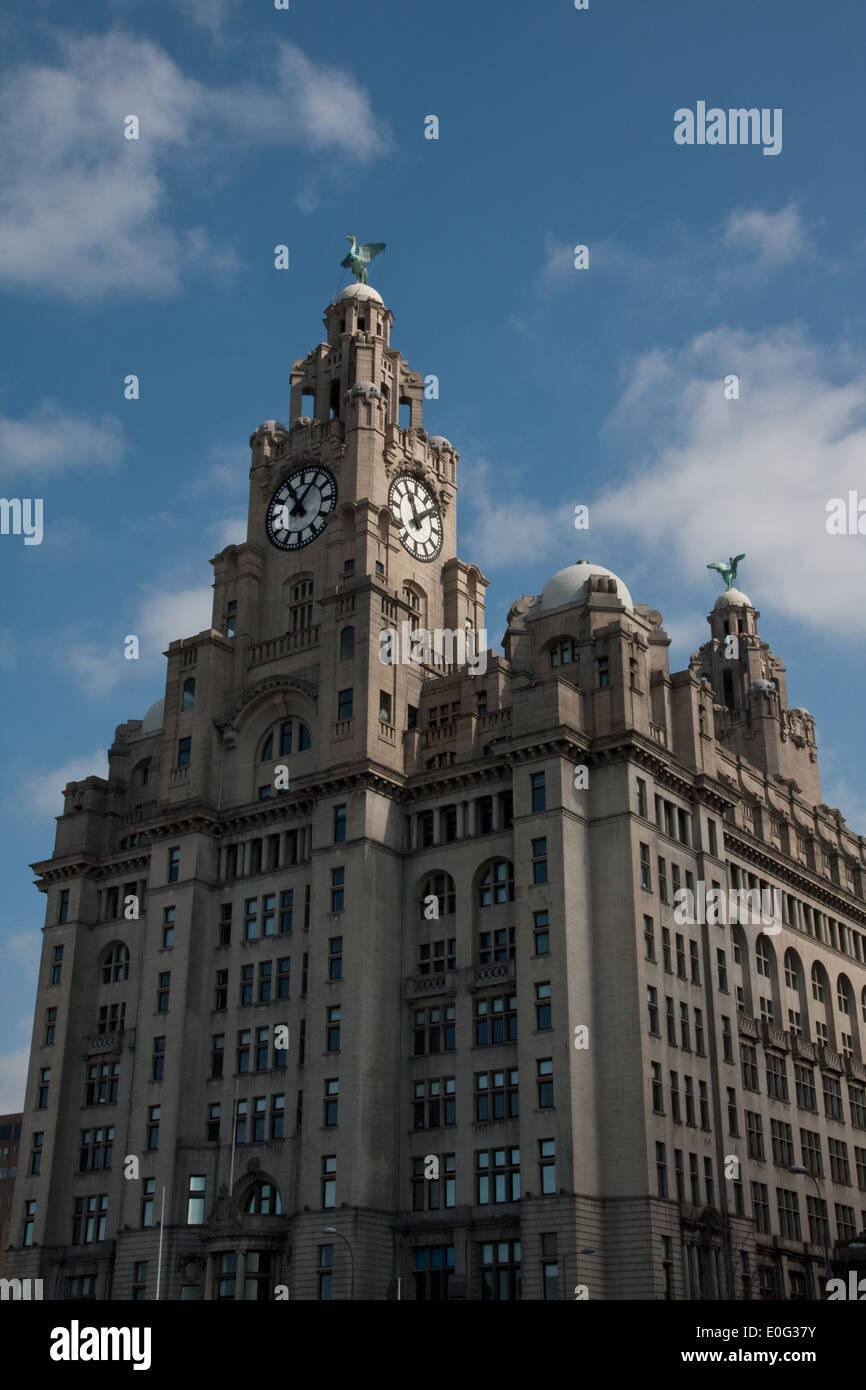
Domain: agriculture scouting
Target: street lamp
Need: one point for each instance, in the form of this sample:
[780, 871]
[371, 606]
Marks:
[805, 1172]
[587, 1250]
[332, 1231]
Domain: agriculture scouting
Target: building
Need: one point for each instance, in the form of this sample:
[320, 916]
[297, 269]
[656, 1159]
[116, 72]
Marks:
[10, 1135]
[363, 972]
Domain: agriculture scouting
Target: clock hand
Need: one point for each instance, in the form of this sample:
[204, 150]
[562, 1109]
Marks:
[419, 516]
[299, 503]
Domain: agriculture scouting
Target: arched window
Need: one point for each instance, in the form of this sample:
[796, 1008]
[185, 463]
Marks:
[497, 885]
[115, 964]
[301, 605]
[264, 1200]
[564, 652]
[188, 697]
[291, 737]
[763, 956]
[441, 887]
[347, 643]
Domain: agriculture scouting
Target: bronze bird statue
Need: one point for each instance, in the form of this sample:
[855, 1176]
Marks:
[727, 571]
[360, 257]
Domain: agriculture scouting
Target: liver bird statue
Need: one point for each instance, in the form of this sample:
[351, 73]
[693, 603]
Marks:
[360, 257]
[727, 571]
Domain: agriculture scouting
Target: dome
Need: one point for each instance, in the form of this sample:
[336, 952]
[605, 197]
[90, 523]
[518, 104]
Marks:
[359, 291]
[154, 718]
[733, 598]
[438, 441]
[567, 585]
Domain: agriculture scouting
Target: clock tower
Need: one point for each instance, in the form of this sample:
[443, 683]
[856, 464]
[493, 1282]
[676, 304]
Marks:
[351, 530]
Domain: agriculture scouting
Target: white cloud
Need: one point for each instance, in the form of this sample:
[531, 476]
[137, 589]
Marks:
[13, 1080]
[85, 212]
[502, 526]
[210, 14]
[749, 243]
[230, 531]
[773, 238]
[54, 440]
[40, 791]
[752, 475]
[161, 616]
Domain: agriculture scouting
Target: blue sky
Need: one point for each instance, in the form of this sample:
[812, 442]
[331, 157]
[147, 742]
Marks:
[601, 386]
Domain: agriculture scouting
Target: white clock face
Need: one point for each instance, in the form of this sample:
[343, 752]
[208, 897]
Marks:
[299, 508]
[414, 508]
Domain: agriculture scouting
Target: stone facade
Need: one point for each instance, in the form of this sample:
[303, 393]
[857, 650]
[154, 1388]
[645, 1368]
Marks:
[462, 908]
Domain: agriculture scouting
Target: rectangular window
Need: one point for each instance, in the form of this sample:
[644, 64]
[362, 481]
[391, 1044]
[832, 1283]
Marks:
[497, 1176]
[50, 1025]
[184, 747]
[649, 939]
[839, 1169]
[783, 1143]
[727, 1040]
[331, 1102]
[646, 877]
[661, 1170]
[90, 1215]
[195, 1200]
[496, 1095]
[438, 1190]
[163, 991]
[57, 965]
[173, 865]
[689, 1084]
[539, 861]
[663, 879]
[538, 791]
[777, 1077]
[496, 1020]
[761, 1208]
[158, 1059]
[338, 877]
[749, 1063]
[542, 1006]
[670, 1020]
[95, 1149]
[339, 824]
[544, 1072]
[434, 1030]
[652, 997]
[656, 1086]
[804, 1078]
[712, 841]
[789, 1213]
[63, 906]
[810, 1142]
[694, 963]
[641, 797]
[832, 1097]
[541, 928]
[148, 1195]
[153, 1118]
[344, 703]
[37, 1143]
[332, 1033]
[167, 927]
[335, 958]
[755, 1135]
[666, 951]
[547, 1165]
[722, 969]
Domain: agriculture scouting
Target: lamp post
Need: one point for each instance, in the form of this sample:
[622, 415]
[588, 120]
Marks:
[801, 1171]
[587, 1250]
[332, 1231]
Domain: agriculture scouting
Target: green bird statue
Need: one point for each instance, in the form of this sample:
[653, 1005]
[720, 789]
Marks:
[360, 257]
[727, 571]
